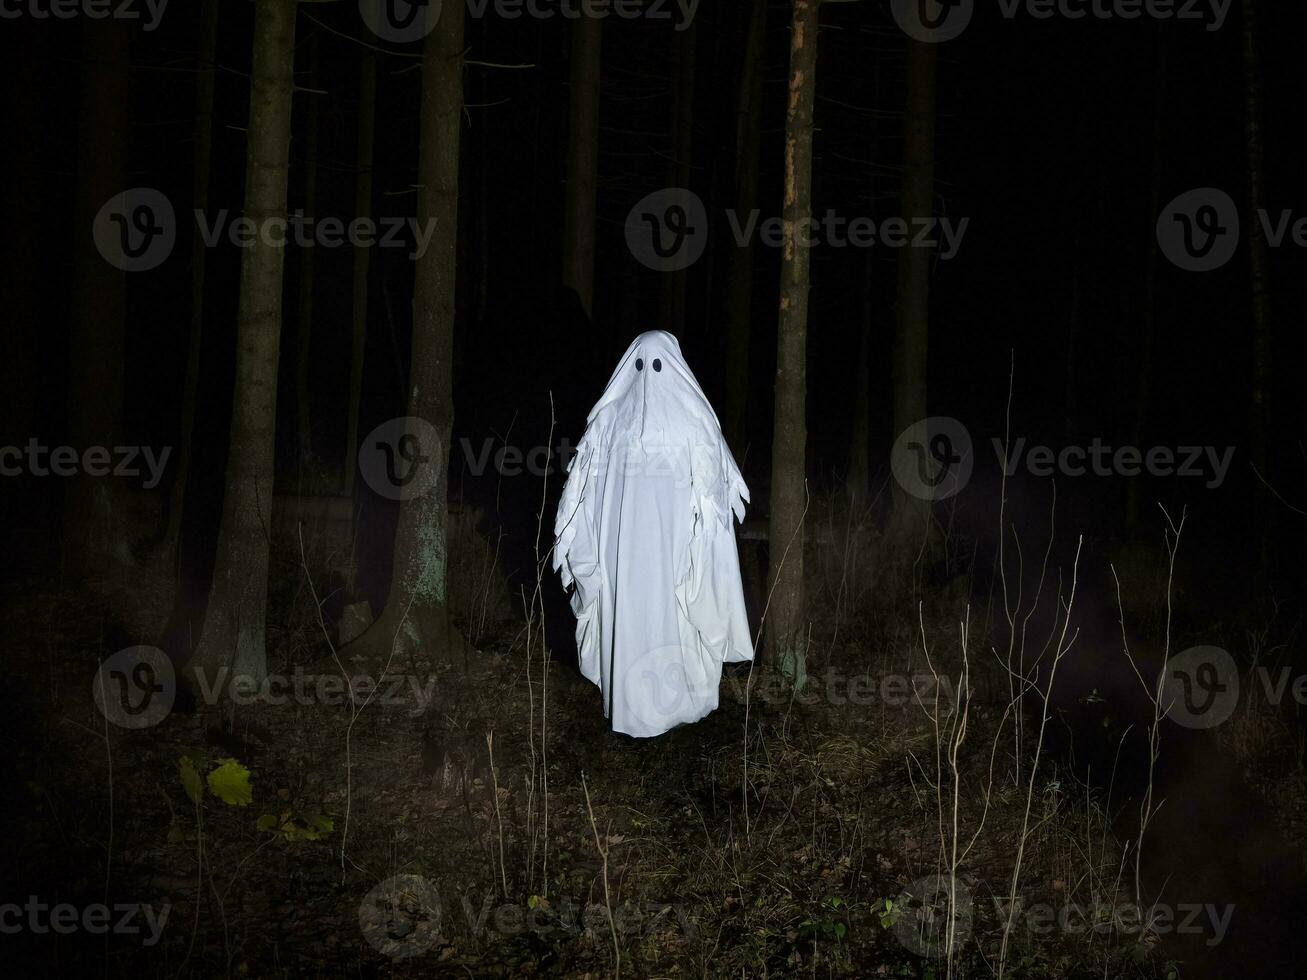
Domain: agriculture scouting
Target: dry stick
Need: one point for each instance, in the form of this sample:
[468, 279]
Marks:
[108, 854]
[1063, 647]
[748, 684]
[494, 784]
[544, 663]
[355, 709]
[956, 736]
[1146, 809]
[603, 854]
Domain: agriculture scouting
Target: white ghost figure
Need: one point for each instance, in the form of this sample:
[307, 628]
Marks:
[645, 531]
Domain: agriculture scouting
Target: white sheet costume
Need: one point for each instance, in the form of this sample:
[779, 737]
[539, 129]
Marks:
[645, 531]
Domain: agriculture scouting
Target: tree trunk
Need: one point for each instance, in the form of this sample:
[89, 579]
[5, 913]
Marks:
[684, 44]
[234, 624]
[788, 488]
[912, 306]
[93, 532]
[860, 435]
[200, 166]
[582, 162]
[739, 299]
[1259, 271]
[416, 616]
[367, 122]
[1144, 354]
[23, 257]
[304, 306]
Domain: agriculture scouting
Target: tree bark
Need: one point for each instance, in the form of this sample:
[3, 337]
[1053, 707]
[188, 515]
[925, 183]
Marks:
[93, 532]
[860, 434]
[416, 614]
[684, 45]
[234, 626]
[912, 306]
[1259, 271]
[788, 489]
[1147, 333]
[307, 254]
[200, 168]
[739, 300]
[582, 161]
[366, 138]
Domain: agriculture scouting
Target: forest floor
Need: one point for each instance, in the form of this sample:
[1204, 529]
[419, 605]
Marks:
[502, 830]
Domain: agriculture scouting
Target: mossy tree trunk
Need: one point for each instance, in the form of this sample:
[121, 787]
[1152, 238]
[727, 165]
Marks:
[416, 613]
[234, 625]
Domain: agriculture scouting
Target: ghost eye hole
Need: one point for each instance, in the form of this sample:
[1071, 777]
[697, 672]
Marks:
[657, 364]
[639, 364]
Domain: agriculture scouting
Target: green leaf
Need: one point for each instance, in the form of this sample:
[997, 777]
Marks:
[266, 822]
[190, 779]
[230, 782]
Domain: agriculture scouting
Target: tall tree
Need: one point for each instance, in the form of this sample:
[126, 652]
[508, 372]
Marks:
[234, 623]
[739, 298]
[93, 530]
[21, 254]
[365, 138]
[307, 254]
[788, 483]
[680, 169]
[912, 305]
[201, 161]
[1143, 358]
[859, 477]
[416, 613]
[1258, 267]
[582, 161]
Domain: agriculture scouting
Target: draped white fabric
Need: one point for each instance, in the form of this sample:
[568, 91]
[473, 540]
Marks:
[644, 532]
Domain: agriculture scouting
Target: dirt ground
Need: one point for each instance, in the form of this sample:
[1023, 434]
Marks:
[500, 829]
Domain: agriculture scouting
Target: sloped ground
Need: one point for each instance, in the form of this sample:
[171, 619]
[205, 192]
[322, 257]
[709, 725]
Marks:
[673, 853]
